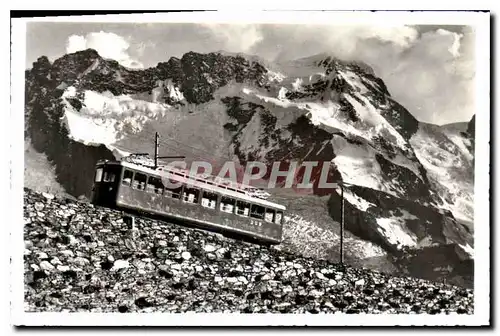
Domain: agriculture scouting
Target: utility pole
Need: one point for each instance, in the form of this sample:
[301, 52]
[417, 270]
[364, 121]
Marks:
[341, 223]
[156, 149]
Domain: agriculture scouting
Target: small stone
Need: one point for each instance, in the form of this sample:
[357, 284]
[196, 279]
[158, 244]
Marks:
[120, 264]
[67, 253]
[35, 267]
[221, 251]
[231, 279]
[162, 243]
[198, 268]
[39, 206]
[42, 255]
[360, 282]
[80, 261]
[46, 266]
[63, 268]
[320, 276]
[72, 240]
[266, 277]
[48, 196]
[176, 267]
[52, 234]
[209, 248]
[243, 279]
[217, 279]
[186, 255]
[328, 304]
[211, 256]
[316, 293]
[55, 261]
[175, 239]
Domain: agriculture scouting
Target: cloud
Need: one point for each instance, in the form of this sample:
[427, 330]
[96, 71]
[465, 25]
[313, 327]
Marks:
[434, 77]
[431, 73]
[235, 38]
[108, 45]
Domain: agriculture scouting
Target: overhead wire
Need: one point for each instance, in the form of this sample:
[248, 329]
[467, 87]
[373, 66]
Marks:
[205, 153]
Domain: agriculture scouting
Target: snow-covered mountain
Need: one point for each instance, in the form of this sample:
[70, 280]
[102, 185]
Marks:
[414, 181]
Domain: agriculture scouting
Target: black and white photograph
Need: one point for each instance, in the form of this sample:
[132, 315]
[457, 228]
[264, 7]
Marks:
[264, 168]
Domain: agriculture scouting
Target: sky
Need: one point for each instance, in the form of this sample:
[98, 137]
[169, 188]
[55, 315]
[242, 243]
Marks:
[428, 69]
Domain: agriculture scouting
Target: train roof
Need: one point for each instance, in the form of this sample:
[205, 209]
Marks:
[230, 189]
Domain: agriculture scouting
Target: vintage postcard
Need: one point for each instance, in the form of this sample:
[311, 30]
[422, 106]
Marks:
[260, 168]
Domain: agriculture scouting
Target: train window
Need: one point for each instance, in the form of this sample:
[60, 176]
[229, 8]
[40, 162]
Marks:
[257, 211]
[109, 176]
[279, 217]
[269, 217]
[173, 192]
[242, 208]
[191, 195]
[227, 204]
[98, 174]
[154, 185]
[127, 177]
[209, 199]
[139, 181]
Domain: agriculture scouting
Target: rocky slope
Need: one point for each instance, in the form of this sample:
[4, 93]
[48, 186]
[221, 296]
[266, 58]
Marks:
[83, 258]
[221, 107]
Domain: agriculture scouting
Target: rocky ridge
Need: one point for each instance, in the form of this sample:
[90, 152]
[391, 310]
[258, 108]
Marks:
[79, 257]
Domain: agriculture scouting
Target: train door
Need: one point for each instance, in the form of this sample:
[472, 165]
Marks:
[106, 182]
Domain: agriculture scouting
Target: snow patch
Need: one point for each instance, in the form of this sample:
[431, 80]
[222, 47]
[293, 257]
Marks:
[358, 165]
[468, 249]
[275, 76]
[449, 169]
[357, 201]
[396, 232]
[105, 118]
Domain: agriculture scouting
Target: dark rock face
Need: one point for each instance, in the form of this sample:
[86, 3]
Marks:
[471, 132]
[426, 238]
[299, 141]
[74, 161]
[117, 271]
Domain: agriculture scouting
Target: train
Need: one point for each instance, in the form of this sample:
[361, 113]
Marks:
[204, 202]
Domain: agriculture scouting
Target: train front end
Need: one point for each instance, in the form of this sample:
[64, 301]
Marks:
[106, 183]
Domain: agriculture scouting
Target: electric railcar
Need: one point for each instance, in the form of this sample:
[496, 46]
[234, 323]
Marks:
[205, 203]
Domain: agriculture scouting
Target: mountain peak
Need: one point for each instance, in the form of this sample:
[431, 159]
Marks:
[328, 60]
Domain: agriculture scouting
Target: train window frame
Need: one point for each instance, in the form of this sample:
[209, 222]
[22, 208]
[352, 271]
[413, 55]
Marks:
[196, 198]
[247, 214]
[169, 192]
[213, 197]
[107, 174]
[267, 211]
[136, 174]
[125, 171]
[99, 172]
[253, 214]
[282, 215]
[223, 204]
[155, 187]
